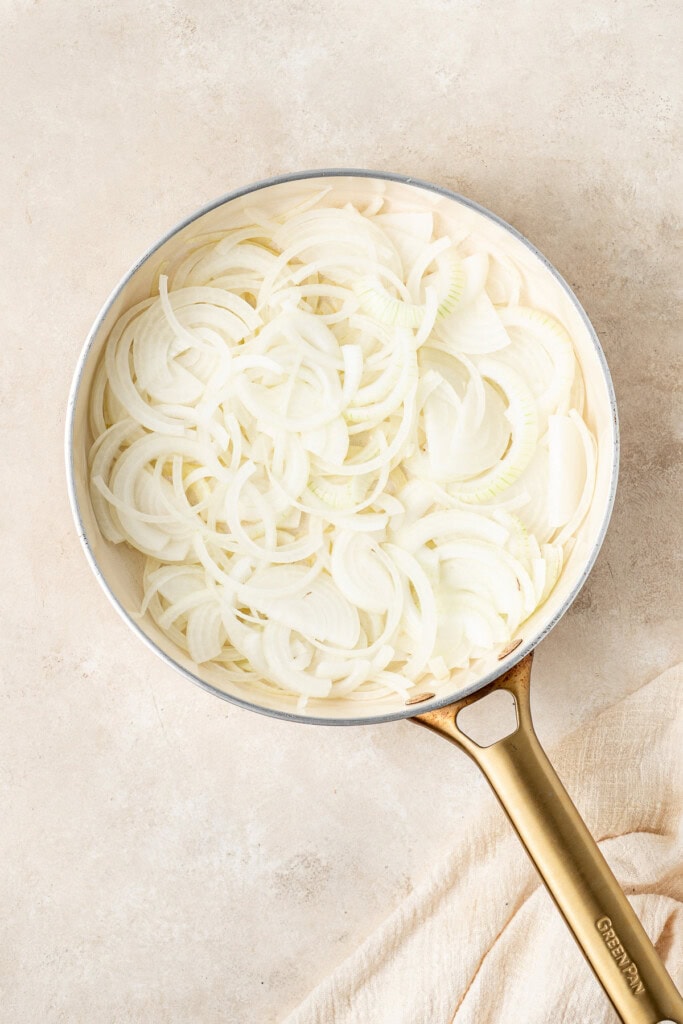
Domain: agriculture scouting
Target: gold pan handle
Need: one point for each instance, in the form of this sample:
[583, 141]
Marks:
[567, 858]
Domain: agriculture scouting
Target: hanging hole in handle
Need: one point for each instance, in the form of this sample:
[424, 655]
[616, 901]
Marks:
[489, 719]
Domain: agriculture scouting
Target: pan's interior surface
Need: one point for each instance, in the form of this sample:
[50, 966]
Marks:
[120, 569]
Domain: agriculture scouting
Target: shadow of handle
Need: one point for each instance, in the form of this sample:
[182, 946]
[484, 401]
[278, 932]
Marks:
[567, 857]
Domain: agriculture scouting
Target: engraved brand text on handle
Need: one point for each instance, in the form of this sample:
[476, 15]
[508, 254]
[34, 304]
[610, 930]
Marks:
[624, 962]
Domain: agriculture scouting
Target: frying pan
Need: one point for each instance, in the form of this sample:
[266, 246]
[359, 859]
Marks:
[567, 858]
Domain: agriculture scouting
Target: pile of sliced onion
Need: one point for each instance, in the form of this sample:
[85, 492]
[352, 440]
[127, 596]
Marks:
[351, 453]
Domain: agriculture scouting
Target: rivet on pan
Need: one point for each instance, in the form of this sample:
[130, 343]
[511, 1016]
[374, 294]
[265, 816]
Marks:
[509, 649]
[418, 698]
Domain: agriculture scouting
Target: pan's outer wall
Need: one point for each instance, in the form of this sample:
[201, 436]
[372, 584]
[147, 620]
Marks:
[90, 353]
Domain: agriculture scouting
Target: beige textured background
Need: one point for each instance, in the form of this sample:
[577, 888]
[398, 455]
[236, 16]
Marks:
[165, 857]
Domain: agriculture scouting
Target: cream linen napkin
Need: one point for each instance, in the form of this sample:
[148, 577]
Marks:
[479, 942]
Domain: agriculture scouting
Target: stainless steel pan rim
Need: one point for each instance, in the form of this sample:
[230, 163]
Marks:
[413, 710]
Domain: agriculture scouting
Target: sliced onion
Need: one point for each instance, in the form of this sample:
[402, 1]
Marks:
[353, 459]
[361, 573]
[567, 468]
[522, 415]
[541, 334]
[474, 328]
[590, 457]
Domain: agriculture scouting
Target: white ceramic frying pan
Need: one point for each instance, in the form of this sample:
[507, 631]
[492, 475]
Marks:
[570, 864]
